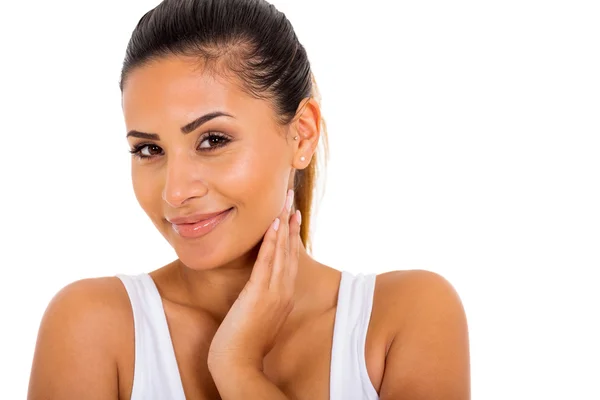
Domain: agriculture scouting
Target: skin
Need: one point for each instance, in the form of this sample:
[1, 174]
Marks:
[243, 273]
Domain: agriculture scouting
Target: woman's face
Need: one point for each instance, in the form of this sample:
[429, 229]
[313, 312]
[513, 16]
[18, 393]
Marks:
[238, 165]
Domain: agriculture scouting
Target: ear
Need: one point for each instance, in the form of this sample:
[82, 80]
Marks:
[307, 126]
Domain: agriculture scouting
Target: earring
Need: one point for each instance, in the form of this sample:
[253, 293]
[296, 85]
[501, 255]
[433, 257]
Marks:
[302, 158]
[295, 137]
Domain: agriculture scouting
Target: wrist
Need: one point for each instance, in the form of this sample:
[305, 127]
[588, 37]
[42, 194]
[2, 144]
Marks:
[228, 365]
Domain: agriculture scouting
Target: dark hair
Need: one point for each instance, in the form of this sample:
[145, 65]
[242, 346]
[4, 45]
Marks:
[249, 38]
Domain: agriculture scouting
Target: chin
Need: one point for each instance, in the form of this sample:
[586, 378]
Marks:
[200, 255]
[227, 244]
[203, 255]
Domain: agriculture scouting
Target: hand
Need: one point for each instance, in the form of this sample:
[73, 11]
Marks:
[250, 328]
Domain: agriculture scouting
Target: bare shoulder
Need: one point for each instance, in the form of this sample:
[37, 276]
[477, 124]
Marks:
[78, 341]
[409, 287]
[428, 354]
[403, 296]
[93, 304]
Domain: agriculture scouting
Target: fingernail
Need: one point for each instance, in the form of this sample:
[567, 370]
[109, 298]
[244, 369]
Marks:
[289, 200]
[299, 216]
[276, 224]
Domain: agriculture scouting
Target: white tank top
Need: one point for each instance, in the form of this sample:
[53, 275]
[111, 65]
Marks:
[156, 375]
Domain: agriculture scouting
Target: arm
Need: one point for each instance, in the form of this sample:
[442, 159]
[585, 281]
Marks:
[428, 358]
[74, 358]
[249, 330]
[236, 383]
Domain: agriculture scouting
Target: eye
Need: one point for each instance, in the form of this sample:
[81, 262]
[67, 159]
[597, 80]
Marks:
[212, 141]
[146, 150]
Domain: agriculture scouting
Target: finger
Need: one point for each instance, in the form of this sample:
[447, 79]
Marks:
[294, 239]
[261, 273]
[282, 249]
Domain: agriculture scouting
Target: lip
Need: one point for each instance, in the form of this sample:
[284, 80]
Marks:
[197, 225]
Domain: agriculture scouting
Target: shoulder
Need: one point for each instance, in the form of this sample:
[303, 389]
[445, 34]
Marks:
[89, 304]
[415, 286]
[79, 339]
[428, 349]
[414, 299]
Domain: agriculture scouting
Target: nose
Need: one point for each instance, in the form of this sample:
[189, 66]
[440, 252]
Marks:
[183, 180]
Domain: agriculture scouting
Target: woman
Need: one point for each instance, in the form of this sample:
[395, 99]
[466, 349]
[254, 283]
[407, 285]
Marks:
[223, 122]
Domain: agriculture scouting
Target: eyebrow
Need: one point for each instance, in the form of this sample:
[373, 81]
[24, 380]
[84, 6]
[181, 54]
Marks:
[192, 126]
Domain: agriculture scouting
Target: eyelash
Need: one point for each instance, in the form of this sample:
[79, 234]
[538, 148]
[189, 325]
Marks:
[137, 150]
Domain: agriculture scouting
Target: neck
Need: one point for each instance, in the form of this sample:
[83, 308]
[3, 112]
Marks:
[215, 290]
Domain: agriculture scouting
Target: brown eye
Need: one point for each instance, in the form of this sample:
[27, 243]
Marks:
[213, 141]
[146, 150]
[152, 150]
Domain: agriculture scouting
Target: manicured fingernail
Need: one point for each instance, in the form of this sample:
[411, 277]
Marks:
[299, 216]
[289, 200]
[276, 224]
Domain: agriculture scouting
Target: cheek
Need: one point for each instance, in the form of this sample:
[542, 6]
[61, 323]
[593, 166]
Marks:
[257, 182]
[147, 190]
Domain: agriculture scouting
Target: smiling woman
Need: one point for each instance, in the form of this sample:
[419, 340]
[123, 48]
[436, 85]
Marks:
[224, 123]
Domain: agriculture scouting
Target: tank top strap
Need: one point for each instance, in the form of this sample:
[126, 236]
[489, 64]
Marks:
[156, 374]
[349, 378]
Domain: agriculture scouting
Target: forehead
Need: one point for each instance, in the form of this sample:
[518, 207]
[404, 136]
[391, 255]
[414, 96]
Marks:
[176, 90]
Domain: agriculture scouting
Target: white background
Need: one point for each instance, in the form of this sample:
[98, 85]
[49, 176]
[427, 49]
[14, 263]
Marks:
[464, 137]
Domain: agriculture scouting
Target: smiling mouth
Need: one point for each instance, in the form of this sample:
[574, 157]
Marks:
[192, 230]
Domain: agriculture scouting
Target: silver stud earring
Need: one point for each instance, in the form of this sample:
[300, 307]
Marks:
[295, 137]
